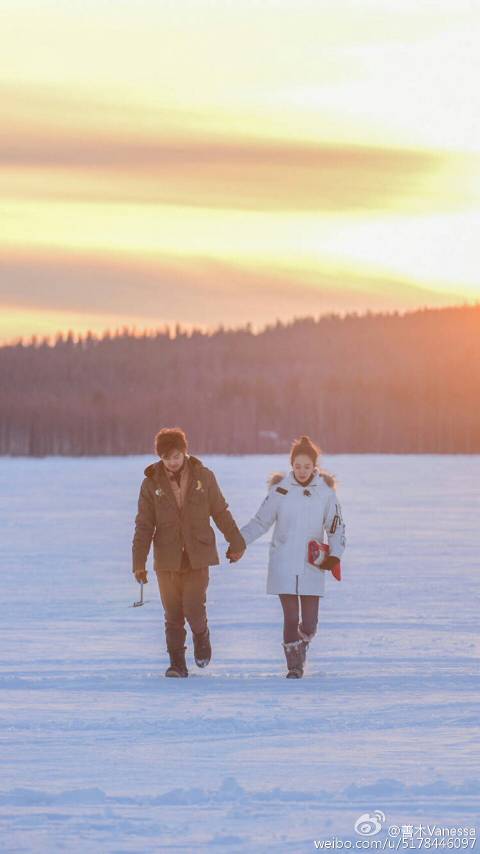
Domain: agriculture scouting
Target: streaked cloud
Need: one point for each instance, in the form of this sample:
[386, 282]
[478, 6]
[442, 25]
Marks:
[197, 291]
[243, 174]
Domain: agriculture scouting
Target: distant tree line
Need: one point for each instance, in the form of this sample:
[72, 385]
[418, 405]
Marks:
[378, 383]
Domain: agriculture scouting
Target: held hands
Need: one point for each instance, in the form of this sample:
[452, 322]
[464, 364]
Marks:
[234, 556]
[141, 576]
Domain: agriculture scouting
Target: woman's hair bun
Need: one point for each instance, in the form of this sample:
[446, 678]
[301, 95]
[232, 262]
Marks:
[304, 445]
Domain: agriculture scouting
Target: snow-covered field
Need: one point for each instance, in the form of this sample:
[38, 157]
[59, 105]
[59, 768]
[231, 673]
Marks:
[101, 753]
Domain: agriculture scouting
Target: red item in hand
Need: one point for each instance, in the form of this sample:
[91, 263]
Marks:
[317, 552]
[337, 571]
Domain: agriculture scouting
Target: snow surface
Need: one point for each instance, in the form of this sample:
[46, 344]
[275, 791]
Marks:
[101, 753]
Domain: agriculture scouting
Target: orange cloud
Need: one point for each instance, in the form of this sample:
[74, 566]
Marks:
[247, 175]
[192, 291]
[57, 149]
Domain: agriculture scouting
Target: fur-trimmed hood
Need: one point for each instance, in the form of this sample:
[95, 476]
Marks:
[329, 479]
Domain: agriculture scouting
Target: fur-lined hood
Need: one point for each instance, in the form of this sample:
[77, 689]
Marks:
[329, 479]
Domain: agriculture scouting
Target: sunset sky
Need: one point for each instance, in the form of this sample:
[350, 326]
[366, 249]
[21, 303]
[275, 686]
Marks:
[235, 161]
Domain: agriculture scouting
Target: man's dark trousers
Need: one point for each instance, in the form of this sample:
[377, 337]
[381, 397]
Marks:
[184, 596]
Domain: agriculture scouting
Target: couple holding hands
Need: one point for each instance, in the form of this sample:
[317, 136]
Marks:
[179, 496]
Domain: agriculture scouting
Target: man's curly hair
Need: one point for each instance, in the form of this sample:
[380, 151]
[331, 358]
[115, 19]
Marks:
[170, 439]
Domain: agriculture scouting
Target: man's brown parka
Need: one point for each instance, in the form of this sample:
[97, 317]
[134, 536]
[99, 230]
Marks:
[174, 529]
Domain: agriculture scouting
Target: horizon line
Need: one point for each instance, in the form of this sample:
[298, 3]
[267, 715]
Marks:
[177, 329]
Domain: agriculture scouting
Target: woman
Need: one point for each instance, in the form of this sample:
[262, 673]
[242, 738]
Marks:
[304, 505]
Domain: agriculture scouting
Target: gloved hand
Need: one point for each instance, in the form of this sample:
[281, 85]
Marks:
[141, 576]
[333, 564]
[234, 556]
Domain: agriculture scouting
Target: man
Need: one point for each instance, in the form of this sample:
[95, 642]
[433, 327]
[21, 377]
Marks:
[177, 498]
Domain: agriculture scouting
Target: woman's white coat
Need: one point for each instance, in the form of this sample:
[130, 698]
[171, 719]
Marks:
[300, 513]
